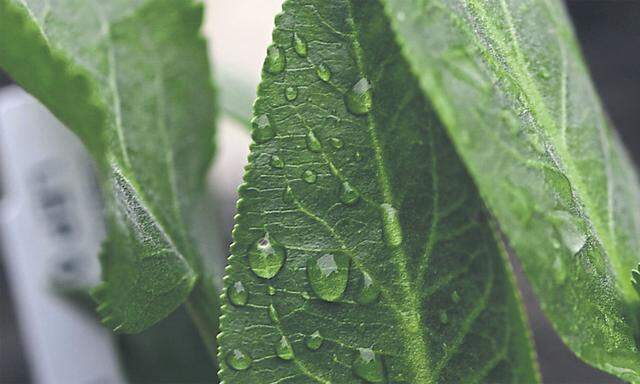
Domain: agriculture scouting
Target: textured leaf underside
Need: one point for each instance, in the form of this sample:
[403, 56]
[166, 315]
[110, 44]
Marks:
[510, 85]
[131, 79]
[381, 194]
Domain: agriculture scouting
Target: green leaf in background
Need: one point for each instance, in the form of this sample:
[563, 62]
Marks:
[361, 250]
[508, 81]
[131, 79]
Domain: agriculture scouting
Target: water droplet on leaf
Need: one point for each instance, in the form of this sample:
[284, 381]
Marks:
[291, 93]
[275, 60]
[314, 341]
[358, 98]
[237, 294]
[323, 72]
[455, 297]
[444, 318]
[348, 195]
[238, 360]
[266, 258]
[328, 275]
[369, 291]
[571, 234]
[368, 366]
[299, 45]
[313, 144]
[309, 176]
[284, 349]
[276, 162]
[262, 129]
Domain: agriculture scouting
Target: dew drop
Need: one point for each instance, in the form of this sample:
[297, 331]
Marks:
[271, 290]
[358, 156]
[291, 93]
[358, 98]
[237, 294]
[336, 142]
[455, 297]
[369, 291]
[569, 229]
[313, 144]
[262, 129]
[287, 195]
[276, 162]
[323, 72]
[348, 195]
[299, 45]
[266, 258]
[313, 341]
[309, 176]
[444, 318]
[273, 314]
[238, 360]
[328, 275]
[284, 349]
[368, 366]
[391, 225]
[275, 60]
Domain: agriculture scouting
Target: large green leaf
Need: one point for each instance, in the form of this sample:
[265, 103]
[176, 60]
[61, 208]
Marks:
[508, 81]
[362, 249]
[131, 79]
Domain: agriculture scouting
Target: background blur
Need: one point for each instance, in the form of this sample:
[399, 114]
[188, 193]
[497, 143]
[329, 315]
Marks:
[239, 32]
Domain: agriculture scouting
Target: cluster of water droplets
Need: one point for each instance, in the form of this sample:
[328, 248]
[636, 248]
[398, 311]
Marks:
[328, 274]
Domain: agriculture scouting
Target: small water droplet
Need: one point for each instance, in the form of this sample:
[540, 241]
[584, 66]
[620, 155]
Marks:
[273, 314]
[313, 144]
[358, 156]
[299, 45]
[455, 297]
[262, 129]
[336, 142]
[291, 93]
[271, 290]
[266, 257]
[358, 98]
[444, 318]
[391, 225]
[287, 195]
[369, 291]
[275, 59]
[276, 162]
[238, 360]
[368, 366]
[237, 294]
[323, 72]
[328, 275]
[570, 230]
[284, 349]
[309, 176]
[348, 195]
[314, 341]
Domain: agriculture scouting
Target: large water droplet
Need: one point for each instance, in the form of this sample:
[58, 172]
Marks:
[266, 258]
[368, 366]
[262, 129]
[275, 59]
[284, 349]
[336, 142]
[323, 72]
[313, 144]
[391, 225]
[314, 341]
[358, 98]
[237, 294]
[369, 291]
[328, 275]
[299, 45]
[309, 176]
[276, 162]
[291, 93]
[348, 195]
[238, 360]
